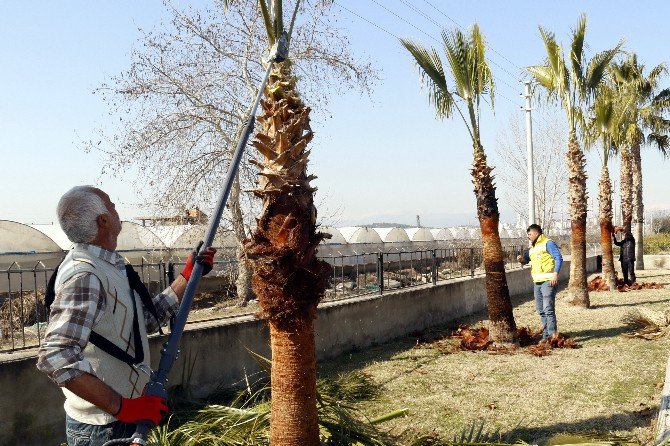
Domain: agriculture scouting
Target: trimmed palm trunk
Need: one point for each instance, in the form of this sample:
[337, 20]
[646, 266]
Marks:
[288, 278]
[638, 206]
[502, 327]
[577, 287]
[626, 180]
[605, 203]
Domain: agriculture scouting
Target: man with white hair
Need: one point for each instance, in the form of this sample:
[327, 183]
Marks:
[96, 347]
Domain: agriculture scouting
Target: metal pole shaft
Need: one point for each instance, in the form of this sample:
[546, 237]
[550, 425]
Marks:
[170, 349]
[529, 158]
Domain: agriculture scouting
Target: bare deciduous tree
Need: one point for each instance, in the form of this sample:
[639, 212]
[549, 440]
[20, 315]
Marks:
[182, 104]
[551, 177]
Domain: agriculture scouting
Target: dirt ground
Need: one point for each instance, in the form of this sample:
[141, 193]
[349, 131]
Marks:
[611, 385]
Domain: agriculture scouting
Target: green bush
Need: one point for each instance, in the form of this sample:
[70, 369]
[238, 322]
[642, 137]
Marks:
[657, 244]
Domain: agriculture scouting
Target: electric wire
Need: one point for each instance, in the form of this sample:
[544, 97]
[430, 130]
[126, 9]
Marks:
[438, 41]
[436, 23]
[518, 105]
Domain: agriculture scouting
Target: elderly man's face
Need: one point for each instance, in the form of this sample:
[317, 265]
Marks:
[533, 234]
[113, 222]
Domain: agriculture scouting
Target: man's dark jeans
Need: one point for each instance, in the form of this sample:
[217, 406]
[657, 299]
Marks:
[628, 268]
[82, 434]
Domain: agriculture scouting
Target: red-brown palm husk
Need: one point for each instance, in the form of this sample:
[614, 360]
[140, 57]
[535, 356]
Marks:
[288, 278]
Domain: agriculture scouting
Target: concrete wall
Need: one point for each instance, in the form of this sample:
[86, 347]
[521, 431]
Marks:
[214, 354]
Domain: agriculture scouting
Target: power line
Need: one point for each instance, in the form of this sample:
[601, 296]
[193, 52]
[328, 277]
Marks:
[404, 20]
[366, 20]
[381, 28]
[438, 41]
[457, 24]
[433, 21]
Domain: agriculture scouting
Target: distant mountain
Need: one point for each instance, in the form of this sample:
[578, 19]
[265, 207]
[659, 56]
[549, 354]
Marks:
[387, 225]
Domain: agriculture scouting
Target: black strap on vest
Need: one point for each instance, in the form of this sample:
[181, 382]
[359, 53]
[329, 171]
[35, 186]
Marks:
[136, 284]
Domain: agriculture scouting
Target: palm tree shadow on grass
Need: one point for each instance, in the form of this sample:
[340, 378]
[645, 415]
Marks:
[587, 335]
[624, 421]
[630, 304]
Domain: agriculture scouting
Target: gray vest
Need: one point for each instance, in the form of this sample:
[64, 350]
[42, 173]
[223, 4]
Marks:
[116, 325]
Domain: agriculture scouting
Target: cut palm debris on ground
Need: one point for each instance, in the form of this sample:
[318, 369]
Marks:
[599, 284]
[477, 339]
[647, 324]
[609, 388]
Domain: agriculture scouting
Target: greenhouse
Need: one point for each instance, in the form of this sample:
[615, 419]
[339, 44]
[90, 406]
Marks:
[392, 235]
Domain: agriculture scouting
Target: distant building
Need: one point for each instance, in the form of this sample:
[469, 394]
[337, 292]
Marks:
[193, 216]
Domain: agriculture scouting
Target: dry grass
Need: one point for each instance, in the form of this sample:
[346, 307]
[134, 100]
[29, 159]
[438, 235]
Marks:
[611, 385]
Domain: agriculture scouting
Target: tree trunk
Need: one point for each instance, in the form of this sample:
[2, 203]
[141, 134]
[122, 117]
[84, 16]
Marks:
[289, 279]
[244, 272]
[294, 417]
[626, 180]
[605, 202]
[577, 287]
[638, 207]
[502, 327]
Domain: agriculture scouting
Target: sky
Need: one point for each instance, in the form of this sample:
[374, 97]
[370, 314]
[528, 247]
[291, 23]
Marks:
[379, 158]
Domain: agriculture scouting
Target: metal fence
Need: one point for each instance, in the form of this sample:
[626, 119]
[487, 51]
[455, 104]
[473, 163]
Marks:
[377, 273]
[23, 314]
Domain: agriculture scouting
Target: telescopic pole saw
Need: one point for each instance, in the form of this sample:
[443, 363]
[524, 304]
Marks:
[170, 351]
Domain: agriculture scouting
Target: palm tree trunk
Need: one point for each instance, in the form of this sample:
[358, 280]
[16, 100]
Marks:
[243, 281]
[605, 201]
[502, 327]
[294, 418]
[638, 207]
[289, 279]
[577, 287]
[626, 180]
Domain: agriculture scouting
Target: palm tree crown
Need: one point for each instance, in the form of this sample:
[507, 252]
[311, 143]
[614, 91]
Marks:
[470, 72]
[574, 84]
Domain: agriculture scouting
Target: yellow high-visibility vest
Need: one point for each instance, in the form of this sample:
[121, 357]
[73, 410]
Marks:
[541, 262]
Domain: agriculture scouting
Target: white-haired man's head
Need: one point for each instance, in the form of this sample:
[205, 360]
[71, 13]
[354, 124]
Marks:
[87, 215]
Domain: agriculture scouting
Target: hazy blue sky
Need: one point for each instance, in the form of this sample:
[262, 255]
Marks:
[380, 158]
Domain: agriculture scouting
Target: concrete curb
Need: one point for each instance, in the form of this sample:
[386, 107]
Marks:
[663, 422]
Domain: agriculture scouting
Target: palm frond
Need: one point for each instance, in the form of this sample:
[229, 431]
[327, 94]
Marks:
[432, 76]
[267, 20]
[597, 68]
[577, 50]
[456, 49]
[277, 17]
[483, 77]
[661, 141]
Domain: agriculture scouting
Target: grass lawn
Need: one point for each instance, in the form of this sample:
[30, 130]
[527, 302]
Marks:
[610, 385]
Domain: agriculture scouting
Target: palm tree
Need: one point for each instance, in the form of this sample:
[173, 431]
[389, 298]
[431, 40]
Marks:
[288, 278]
[574, 84]
[609, 111]
[472, 79]
[646, 125]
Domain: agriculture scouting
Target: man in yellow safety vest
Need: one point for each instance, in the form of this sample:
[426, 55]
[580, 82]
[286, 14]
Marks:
[545, 260]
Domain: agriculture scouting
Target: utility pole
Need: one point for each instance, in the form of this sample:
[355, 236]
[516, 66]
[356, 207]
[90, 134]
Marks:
[529, 157]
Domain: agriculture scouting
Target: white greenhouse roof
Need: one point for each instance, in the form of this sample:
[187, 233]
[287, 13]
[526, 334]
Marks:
[392, 235]
[474, 233]
[336, 237]
[19, 238]
[358, 234]
[55, 233]
[135, 237]
[419, 234]
[458, 233]
[188, 236]
[442, 234]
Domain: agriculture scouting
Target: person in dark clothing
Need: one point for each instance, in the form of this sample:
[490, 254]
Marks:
[626, 255]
